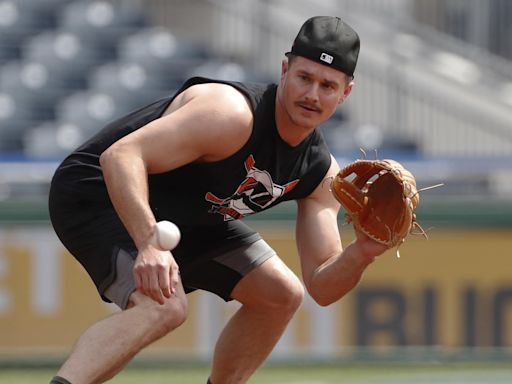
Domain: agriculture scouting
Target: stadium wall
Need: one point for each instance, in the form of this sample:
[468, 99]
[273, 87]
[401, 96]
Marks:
[450, 292]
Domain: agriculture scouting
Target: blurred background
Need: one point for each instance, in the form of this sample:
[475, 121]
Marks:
[433, 89]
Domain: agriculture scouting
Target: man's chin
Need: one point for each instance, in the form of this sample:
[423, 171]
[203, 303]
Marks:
[307, 123]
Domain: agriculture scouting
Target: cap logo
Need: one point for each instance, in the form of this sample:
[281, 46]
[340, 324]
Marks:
[326, 58]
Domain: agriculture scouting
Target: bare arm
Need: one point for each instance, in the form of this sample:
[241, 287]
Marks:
[329, 271]
[189, 132]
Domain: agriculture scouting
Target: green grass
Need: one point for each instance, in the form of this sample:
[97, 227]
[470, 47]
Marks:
[332, 374]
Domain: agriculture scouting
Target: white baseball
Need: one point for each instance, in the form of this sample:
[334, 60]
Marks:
[167, 236]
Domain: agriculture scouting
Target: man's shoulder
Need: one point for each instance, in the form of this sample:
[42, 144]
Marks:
[213, 93]
[252, 92]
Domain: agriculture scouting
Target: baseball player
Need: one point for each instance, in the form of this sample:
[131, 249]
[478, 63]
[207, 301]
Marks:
[205, 158]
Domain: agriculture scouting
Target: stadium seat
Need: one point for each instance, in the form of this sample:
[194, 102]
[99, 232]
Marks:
[220, 70]
[66, 55]
[130, 84]
[33, 83]
[16, 116]
[100, 23]
[129, 76]
[160, 52]
[89, 110]
[51, 139]
[9, 52]
[20, 19]
[41, 5]
[11, 139]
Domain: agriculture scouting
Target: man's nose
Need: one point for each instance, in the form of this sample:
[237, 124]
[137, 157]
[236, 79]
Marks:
[312, 92]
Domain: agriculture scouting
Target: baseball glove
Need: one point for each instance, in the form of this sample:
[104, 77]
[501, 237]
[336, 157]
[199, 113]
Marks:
[380, 199]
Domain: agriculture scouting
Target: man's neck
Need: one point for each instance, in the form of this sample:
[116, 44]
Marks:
[291, 133]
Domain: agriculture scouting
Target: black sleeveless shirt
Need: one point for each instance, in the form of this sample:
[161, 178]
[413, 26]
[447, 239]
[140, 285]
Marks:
[263, 173]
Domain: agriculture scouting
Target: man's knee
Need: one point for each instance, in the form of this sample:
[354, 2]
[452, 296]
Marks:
[272, 286]
[172, 314]
[288, 294]
[165, 317]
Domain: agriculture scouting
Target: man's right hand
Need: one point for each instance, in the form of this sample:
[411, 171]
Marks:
[156, 273]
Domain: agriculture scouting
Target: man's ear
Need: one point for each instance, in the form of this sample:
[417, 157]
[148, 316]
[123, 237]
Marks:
[284, 67]
[346, 91]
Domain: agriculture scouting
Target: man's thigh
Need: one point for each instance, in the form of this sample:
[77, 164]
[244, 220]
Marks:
[218, 274]
[221, 273]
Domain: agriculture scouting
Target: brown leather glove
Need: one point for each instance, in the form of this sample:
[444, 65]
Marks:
[380, 199]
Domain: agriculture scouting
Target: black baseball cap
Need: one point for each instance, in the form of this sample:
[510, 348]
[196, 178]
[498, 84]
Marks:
[329, 41]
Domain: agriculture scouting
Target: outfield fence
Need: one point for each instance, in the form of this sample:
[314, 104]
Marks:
[448, 298]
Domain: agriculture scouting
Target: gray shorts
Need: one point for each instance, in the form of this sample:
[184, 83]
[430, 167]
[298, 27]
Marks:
[218, 274]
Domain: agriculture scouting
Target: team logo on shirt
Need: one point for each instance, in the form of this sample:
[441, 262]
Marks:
[257, 192]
